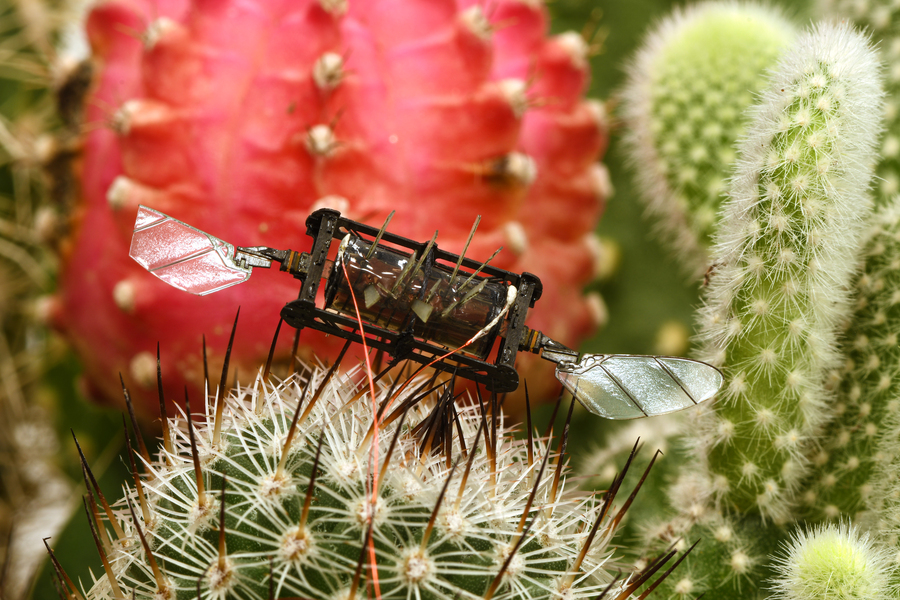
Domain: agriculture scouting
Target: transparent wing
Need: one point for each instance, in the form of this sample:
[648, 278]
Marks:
[183, 256]
[619, 386]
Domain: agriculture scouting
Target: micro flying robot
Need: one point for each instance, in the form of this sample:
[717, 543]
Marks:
[416, 301]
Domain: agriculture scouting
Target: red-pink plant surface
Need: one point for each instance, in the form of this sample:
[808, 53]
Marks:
[239, 116]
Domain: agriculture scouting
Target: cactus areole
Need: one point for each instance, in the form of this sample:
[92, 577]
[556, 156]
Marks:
[415, 301]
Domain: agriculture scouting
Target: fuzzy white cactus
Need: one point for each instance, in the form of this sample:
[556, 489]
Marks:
[833, 562]
[782, 264]
[688, 89]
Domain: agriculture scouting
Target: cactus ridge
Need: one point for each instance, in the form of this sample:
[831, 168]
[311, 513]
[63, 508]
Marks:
[461, 508]
[798, 203]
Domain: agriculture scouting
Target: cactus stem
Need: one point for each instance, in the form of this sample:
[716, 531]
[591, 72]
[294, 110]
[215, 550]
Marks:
[139, 486]
[220, 391]
[117, 591]
[137, 432]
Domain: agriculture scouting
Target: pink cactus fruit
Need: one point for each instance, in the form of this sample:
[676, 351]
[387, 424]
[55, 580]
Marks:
[240, 117]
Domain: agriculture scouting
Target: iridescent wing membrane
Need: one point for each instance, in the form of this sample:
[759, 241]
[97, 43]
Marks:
[617, 386]
[182, 256]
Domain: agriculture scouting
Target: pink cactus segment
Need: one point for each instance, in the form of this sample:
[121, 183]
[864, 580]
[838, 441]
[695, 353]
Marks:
[239, 116]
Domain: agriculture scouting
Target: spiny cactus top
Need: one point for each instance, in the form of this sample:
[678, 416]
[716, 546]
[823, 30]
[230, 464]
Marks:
[292, 491]
[241, 115]
[688, 89]
[783, 261]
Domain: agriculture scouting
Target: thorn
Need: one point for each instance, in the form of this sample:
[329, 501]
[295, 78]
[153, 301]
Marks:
[528, 425]
[499, 577]
[459, 433]
[549, 431]
[668, 572]
[137, 432]
[609, 586]
[205, 370]
[294, 346]
[378, 237]
[138, 485]
[621, 513]
[534, 490]
[166, 432]
[106, 508]
[223, 554]
[564, 441]
[390, 451]
[114, 584]
[489, 449]
[360, 562]
[325, 381]
[307, 501]
[465, 248]
[271, 355]
[644, 576]
[220, 392]
[198, 473]
[61, 573]
[162, 588]
[465, 477]
[437, 507]
[299, 418]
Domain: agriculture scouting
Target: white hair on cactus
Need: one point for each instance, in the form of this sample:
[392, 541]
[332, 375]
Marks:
[833, 562]
[798, 199]
[708, 58]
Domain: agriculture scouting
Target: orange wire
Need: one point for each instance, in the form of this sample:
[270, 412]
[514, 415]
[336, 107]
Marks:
[373, 461]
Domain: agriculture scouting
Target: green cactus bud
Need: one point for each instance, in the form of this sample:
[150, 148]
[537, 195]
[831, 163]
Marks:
[688, 89]
[783, 261]
[833, 562]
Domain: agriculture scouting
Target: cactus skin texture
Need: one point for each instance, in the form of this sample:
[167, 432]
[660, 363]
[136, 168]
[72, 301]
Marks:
[882, 19]
[495, 491]
[784, 259]
[684, 103]
[833, 562]
[867, 406]
[241, 117]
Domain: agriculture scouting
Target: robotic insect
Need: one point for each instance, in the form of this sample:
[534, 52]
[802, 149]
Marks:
[418, 302]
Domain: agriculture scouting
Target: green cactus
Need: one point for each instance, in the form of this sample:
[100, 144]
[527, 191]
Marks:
[833, 562]
[882, 18]
[462, 510]
[688, 89]
[784, 258]
[867, 395]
